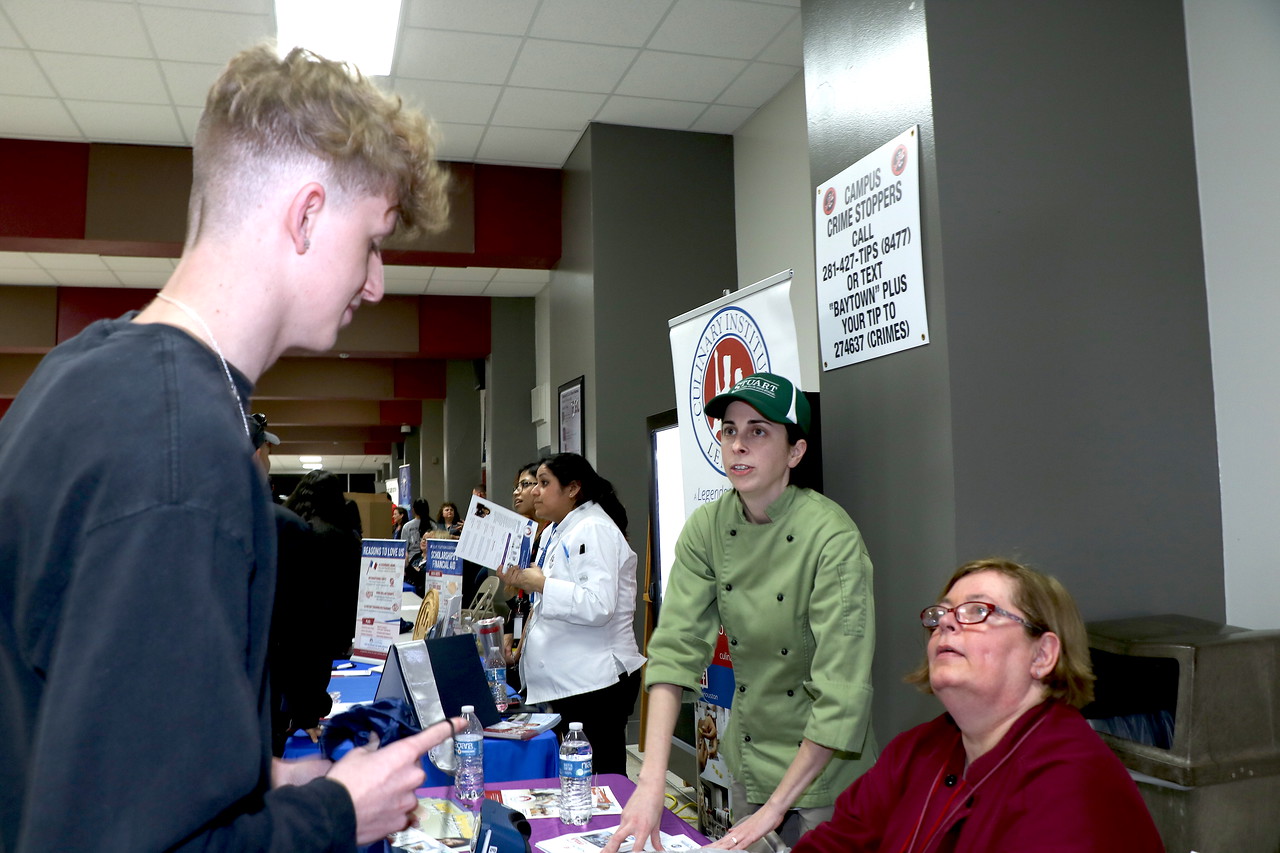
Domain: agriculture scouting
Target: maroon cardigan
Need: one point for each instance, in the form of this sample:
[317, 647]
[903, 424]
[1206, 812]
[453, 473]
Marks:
[1054, 787]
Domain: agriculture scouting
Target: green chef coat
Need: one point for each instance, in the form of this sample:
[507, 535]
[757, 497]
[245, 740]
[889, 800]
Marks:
[795, 600]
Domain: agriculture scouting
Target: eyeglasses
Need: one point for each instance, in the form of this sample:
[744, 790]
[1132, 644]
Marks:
[970, 613]
[524, 484]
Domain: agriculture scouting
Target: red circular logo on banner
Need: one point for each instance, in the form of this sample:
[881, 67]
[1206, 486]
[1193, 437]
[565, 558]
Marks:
[899, 159]
[829, 201]
[731, 347]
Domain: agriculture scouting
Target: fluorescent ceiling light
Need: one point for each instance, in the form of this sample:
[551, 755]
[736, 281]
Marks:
[361, 32]
[312, 466]
[310, 459]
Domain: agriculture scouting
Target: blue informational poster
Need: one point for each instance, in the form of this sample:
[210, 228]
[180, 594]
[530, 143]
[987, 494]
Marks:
[406, 486]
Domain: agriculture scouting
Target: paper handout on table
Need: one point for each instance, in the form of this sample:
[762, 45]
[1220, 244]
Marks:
[437, 825]
[494, 536]
[545, 802]
[594, 840]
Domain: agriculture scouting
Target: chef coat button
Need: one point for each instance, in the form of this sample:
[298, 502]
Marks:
[733, 533]
[950, 781]
[791, 693]
[742, 688]
[747, 738]
[784, 651]
[728, 587]
[779, 596]
[733, 642]
[790, 538]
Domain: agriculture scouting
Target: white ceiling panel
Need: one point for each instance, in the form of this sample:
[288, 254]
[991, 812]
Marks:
[508, 17]
[8, 35]
[107, 122]
[85, 278]
[757, 84]
[37, 118]
[120, 264]
[142, 279]
[513, 288]
[788, 47]
[650, 112]
[459, 57]
[571, 66]
[459, 142]
[189, 82]
[60, 261]
[248, 7]
[26, 277]
[720, 118]
[452, 103]
[680, 76]
[79, 26]
[729, 28]
[187, 35]
[456, 288]
[527, 146]
[105, 78]
[17, 261]
[523, 276]
[627, 24]
[404, 288]
[547, 109]
[21, 75]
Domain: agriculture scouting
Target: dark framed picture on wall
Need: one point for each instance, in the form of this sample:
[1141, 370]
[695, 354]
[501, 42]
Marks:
[572, 439]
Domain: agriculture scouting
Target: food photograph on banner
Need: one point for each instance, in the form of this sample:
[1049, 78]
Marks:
[572, 439]
[869, 268]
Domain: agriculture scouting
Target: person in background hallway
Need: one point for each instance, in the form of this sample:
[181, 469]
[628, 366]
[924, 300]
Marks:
[298, 668]
[138, 562]
[785, 571]
[334, 567]
[449, 521]
[399, 517]
[1011, 765]
[517, 599]
[579, 652]
[414, 529]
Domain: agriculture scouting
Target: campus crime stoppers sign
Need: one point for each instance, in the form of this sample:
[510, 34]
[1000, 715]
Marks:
[869, 271]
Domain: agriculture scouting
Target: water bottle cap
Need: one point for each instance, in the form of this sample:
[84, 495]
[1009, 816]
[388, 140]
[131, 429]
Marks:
[575, 727]
[468, 709]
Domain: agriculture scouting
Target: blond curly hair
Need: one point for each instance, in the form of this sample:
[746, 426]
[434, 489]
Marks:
[265, 112]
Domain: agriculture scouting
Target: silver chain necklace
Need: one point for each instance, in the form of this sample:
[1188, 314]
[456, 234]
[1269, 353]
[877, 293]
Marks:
[191, 312]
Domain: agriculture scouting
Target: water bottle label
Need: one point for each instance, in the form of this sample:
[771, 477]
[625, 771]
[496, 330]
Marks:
[575, 766]
[467, 746]
[496, 675]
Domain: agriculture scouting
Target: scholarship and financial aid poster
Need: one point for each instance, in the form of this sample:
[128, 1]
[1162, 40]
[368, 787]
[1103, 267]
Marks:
[380, 597]
[870, 273]
[751, 330]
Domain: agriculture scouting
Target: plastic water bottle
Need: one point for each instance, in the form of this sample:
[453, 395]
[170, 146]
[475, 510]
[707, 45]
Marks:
[575, 777]
[468, 749]
[495, 662]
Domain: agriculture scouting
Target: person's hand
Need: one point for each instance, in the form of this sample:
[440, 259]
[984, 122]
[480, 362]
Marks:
[381, 782]
[641, 817]
[742, 835]
[298, 772]
[529, 578]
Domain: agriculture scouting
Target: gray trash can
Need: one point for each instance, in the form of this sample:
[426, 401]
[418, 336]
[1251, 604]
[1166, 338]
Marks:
[1192, 708]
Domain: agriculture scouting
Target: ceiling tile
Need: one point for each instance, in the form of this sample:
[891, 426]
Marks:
[679, 76]
[60, 261]
[527, 146]
[628, 24]
[510, 17]
[462, 57]
[459, 141]
[189, 118]
[523, 276]
[202, 36]
[405, 288]
[249, 7]
[105, 78]
[189, 82]
[453, 103]
[650, 112]
[138, 278]
[571, 66]
[17, 261]
[456, 288]
[399, 272]
[85, 278]
[153, 125]
[8, 37]
[719, 118]
[757, 84]
[788, 47]
[482, 274]
[513, 288]
[80, 26]
[121, 264]
[20, 75]
[25, 277]
[547, 108]
[40, 118]
[721, 27]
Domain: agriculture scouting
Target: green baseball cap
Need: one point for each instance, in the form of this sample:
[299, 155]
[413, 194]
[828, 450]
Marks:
[769, 394]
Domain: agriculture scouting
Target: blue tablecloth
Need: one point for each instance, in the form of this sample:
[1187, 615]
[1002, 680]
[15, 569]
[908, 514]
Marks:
[504, 760]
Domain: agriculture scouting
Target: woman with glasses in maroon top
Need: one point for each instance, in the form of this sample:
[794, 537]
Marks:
[1012, 765]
